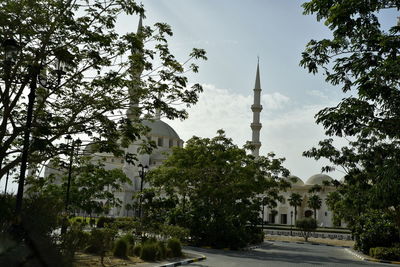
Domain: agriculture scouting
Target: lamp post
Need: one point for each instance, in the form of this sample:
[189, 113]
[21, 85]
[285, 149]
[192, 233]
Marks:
[291, 222]
[72, 144]
[11, 50]
[142, 175]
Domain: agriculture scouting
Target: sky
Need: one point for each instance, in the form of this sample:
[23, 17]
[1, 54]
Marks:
[234, 33]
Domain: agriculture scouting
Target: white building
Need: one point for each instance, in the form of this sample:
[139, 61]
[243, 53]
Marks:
[285, 214]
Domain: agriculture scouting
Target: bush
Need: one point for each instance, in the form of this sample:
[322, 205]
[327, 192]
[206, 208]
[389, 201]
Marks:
[121, 248]
[162, 250]
[306, 226]
[103, 221]
[137, 250]
[100, 241]
[374, 229]
[79, 220]
[384, 253]
[73, 240]
[175, 246]
[92, 222]
[149, 251]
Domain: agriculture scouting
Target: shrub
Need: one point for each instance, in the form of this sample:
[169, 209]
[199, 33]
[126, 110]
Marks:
[103, 221]
[130, 239]
[100, 241]
[137, 250]
[149, 251]
[374, 229]
[121, 248]
[79, 220]
[306, 226]
[162, 250]
[384, 253]
[92, 222]
[74, 239]
[175, 246]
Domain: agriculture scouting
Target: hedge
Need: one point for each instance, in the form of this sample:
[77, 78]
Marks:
[384, 253]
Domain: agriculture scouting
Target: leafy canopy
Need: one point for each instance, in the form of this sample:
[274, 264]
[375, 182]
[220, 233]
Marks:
[102, 66]
[217, 190]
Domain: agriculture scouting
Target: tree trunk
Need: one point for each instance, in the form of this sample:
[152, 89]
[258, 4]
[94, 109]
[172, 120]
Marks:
[315, 214]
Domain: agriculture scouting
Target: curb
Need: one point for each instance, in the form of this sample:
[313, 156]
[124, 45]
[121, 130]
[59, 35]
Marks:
[312, 244]
[179, 263]
[364, 258]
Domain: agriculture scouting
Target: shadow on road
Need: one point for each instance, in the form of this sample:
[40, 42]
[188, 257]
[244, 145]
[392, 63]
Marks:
[292, 254]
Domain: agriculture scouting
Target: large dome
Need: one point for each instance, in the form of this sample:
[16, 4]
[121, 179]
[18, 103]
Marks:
[298, 181]
[318, 179]
[161, 129]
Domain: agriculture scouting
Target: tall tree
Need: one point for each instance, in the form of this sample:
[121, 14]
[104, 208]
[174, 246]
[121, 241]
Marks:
[295, 201]
[315, 203]
[223, 189]
[362, 57]
[88, 95]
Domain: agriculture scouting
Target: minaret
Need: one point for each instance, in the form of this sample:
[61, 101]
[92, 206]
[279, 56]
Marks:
[136, 72]
[256, 108]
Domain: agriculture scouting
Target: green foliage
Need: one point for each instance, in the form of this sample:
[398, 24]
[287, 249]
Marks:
[73, 240]
[174, 231]
[175, 246]
[306, 226]
[149, 251]
[137, 250]
[94, 84]
[385, 253]
[104, 221]
[295, 200]
[374, 228]
[188, 193]
[101, 241]
[315, 203]
[361, 57]
[121, 248]
[162, 250]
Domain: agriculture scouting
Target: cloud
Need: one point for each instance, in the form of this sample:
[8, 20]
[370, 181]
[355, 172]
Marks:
[274, 101]
[316, 93]
[287, 130]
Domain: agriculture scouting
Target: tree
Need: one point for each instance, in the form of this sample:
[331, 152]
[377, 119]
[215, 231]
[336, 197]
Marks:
[88, 95]
[92, 187]
[333, 203]
[314, 202]
[295, 201]
[361, 57]
[217, 190]
[306, 226]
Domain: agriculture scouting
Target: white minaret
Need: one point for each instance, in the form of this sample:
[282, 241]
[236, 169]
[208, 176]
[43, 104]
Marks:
[136, 73]
[256, 108]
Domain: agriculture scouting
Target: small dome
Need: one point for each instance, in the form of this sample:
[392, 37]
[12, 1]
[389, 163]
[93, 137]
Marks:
[290, 179]
[318, 179]
[162, 129]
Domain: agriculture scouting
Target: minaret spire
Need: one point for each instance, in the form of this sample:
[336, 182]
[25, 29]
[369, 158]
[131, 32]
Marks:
[136, 72]
[256, 108]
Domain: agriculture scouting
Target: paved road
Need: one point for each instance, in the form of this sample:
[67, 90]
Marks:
[280, 254]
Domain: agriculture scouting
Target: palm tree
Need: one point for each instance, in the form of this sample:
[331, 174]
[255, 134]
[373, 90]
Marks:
[295, 201]
[315, 203]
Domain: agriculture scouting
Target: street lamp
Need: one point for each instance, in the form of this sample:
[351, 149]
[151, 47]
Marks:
[142, 175]
[291, 222]
[71, 143]
[11, 50]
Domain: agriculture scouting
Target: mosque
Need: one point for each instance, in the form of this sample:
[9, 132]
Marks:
[166, 138]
